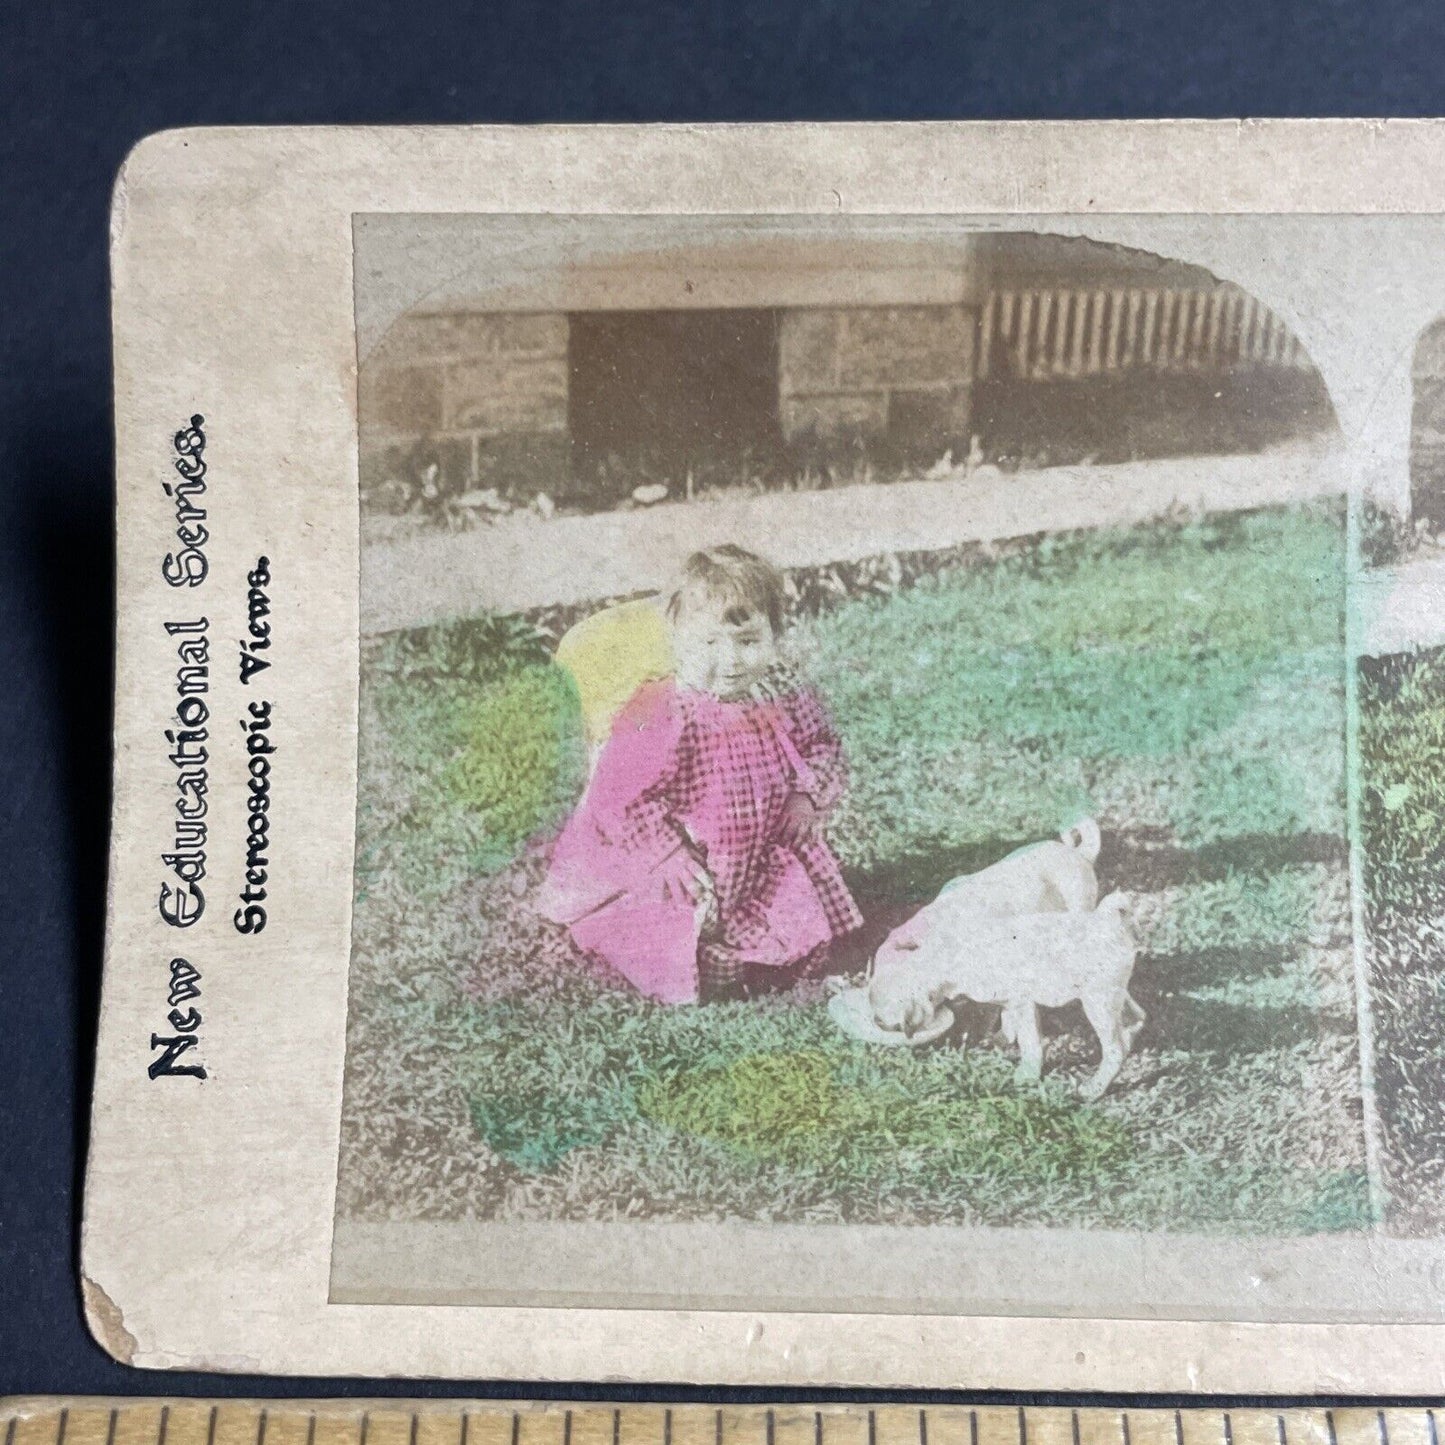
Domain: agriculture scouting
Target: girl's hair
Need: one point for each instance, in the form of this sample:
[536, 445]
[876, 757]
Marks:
[731, 581]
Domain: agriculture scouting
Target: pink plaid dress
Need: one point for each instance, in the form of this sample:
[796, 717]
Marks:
[685, 769]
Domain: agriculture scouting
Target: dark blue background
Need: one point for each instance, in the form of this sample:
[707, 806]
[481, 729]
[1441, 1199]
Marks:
[78, 85]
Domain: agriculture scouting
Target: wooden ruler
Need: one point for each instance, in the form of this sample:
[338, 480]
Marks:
[59, 1421]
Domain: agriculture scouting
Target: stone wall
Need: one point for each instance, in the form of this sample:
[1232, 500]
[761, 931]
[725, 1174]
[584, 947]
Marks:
[1427, 429]
[894, 374]
[483, 394]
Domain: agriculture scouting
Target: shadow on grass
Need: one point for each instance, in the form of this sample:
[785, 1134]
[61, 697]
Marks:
[1215, 967]
[912, 880]
[1140, 866]
[1223, 1031]
[1161, 983]
[1205, 1028]
[1136, 862]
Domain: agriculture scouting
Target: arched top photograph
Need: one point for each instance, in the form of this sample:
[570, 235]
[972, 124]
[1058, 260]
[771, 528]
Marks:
[854, 728]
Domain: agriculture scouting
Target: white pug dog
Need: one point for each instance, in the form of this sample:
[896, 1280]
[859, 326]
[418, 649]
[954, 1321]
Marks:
[1053, 876]
[1020, 961]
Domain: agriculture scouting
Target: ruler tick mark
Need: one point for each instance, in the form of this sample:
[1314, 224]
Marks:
[664, 1419]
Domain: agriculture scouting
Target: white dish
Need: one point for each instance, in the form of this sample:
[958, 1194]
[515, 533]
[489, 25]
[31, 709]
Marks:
[849, 1009]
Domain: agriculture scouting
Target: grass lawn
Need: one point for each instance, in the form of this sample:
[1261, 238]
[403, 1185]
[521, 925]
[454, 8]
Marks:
[1402, 753]
[1181, 681]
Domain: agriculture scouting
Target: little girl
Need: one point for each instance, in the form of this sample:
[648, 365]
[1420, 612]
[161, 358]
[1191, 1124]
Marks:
[696, 859]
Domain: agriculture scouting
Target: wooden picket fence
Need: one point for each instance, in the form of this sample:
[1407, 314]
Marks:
[1061, 333]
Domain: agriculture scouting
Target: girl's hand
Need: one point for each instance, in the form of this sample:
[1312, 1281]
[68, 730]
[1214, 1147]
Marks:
[683, 878]
[802, 822]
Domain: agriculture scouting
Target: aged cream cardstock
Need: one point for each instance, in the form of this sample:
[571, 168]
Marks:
[1094, 467]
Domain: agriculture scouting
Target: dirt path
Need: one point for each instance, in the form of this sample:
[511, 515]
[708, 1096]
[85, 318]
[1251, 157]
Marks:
[524, 562]
[1401, 608]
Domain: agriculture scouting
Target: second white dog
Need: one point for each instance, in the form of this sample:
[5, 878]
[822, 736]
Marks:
[1021, 962]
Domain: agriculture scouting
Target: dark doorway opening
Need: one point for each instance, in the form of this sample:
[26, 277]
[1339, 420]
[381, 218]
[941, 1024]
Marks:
[684, 399]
